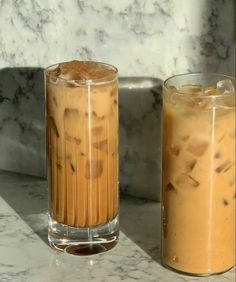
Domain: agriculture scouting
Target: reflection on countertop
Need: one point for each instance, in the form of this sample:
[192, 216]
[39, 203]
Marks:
[25, 255]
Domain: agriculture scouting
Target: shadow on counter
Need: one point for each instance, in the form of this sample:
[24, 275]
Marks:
[28, 197]
[140, 221]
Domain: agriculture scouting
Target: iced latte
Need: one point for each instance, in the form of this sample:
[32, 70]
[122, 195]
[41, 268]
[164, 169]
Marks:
[198, 193]
[82, 148]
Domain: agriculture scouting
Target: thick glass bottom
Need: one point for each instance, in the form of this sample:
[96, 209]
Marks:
[83, 241]
[195, 274]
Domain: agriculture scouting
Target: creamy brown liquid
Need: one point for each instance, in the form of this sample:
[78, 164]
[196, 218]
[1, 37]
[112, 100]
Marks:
[82, 138]
[198, 187]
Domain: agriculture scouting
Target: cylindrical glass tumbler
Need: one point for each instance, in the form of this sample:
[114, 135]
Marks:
[198, 191]
[82, 151]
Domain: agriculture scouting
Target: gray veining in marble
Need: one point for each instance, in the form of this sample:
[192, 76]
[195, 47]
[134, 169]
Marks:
[26, 257]
[155, 38]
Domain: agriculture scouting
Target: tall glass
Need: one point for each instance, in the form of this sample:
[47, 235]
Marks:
[198, 191]
[82, 150]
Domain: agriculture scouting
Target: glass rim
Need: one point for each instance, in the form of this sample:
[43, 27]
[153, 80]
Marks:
[84, 82]
[212, 74]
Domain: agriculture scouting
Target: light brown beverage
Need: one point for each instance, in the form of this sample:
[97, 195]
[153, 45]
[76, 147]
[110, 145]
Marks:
[82, 134]
[198, 193]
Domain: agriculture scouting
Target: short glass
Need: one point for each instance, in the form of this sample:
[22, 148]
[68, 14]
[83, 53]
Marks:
[82, 153]
[198, 189]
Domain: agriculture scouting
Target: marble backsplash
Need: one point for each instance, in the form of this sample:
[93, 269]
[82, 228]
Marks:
[140, 136]
[22, 130]
[154, 38]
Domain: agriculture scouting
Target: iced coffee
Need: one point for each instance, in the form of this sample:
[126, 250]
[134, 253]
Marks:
[198, 190]
[82, 149]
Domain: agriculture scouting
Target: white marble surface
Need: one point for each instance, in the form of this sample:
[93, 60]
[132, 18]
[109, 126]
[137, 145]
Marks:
[153, 38]
[26, 257]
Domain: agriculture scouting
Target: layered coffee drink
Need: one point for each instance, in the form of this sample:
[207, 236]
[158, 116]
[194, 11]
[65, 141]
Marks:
[82, 145]
[198, 195]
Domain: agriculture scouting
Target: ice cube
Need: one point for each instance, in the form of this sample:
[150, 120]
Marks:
[170, 187]
[174, 149]
[71, 113]
[218, 131]
[72, 167]
[115, 152]
[225, 202]
[54, 101]
[53, 79]
[228, 101]
[115, 102]
[94, 169]
[224, 167]
[185, 138]
[71, 116]
[210, 90]
[53, 74]
[67, 72]
[182, 100]
[52, 125]
[95, 116]
[229, 167]
[172, 89]
[169, 93]
[190, 164]
[72, 139]
[197, 147]
[97, 130]
[223, 95]
[187, 181]
[59, 166]
[205, 103]
[217, 155]
[114, 91]
[102, 101]
[186, 95]
[232, 134]
[225, 87]
[101, 145]
[73, 75]
[175, 259]
[191, 89]
[232, 182]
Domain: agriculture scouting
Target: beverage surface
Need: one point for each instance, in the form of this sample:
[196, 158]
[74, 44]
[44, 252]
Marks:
[199, 178]
[82, 71]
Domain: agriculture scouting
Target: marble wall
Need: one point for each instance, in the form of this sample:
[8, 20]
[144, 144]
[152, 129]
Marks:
[155, 38]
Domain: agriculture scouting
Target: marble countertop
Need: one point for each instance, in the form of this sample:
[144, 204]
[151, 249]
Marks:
[26, 257]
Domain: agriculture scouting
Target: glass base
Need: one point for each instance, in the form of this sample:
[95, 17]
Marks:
[83, 241]
[195, 274]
